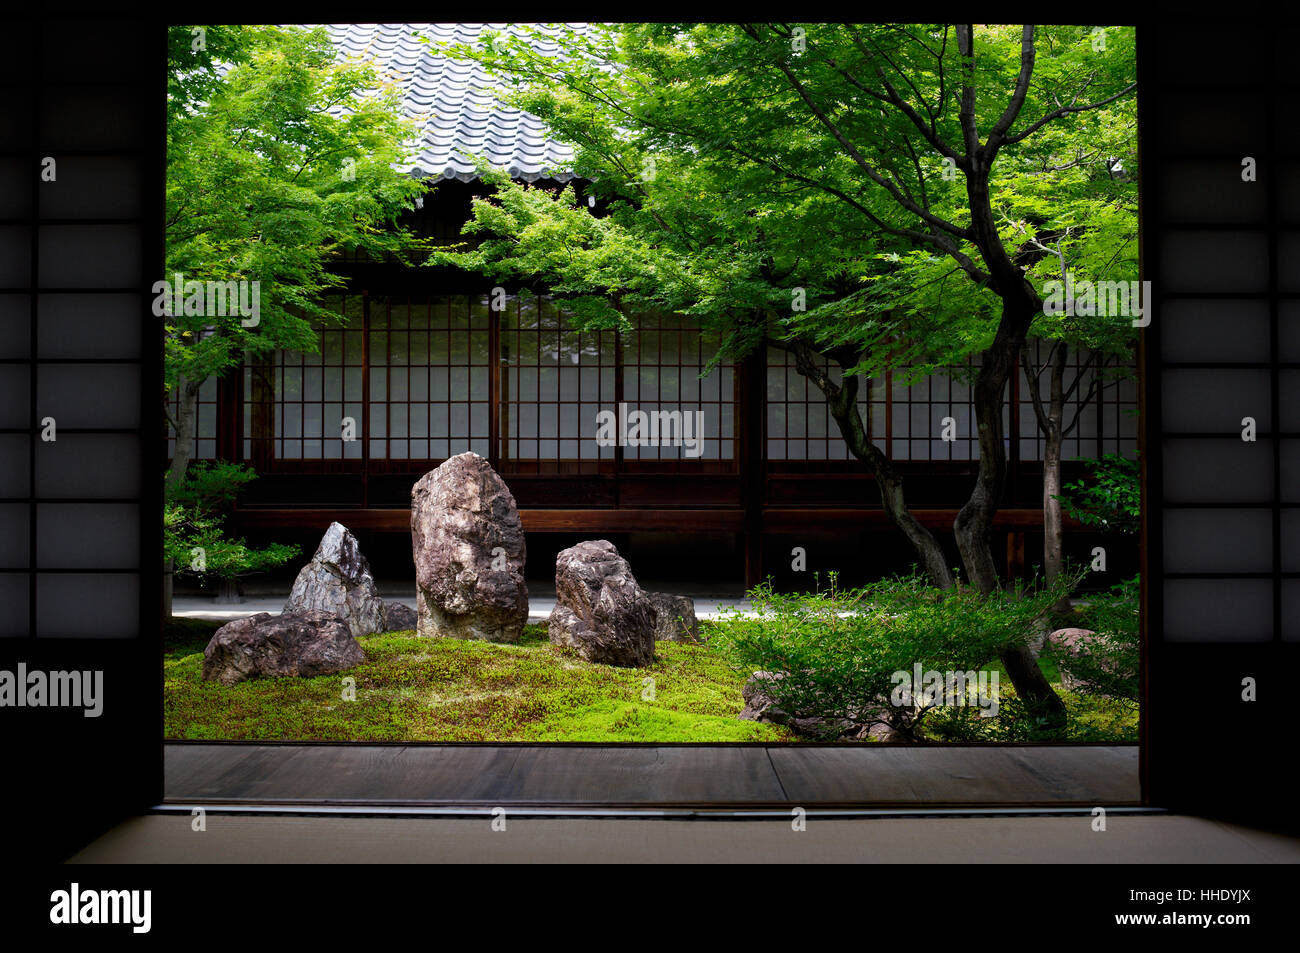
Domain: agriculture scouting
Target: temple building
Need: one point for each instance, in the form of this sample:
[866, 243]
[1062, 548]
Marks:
[429, 365]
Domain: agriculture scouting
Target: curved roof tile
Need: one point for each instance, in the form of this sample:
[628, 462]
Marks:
[456, 101]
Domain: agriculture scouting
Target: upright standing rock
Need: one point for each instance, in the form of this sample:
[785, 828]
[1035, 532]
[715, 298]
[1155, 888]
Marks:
[338, 581]
[468, 545]
[600, 610]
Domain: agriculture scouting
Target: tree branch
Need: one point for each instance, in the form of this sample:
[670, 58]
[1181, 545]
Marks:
[1066, 110]
[999, 130]
[929, 131]
[1039, 412]
[852, 152]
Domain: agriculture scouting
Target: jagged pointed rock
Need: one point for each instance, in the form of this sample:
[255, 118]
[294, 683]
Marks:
[338, 581]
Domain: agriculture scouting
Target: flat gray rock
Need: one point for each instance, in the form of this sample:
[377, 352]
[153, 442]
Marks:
[304, 643]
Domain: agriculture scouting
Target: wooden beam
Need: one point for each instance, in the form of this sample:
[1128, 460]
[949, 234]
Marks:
[535, 521]
[613, 520]
[788, 519]
[630, 520]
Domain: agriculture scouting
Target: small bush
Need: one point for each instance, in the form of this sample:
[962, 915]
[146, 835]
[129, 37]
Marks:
[211, 485]
[840, 653]
[1109, 498]
[194, 535]
[1106, 664]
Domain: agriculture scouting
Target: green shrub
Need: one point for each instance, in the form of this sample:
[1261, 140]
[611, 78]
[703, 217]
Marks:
[211, 486]
[199, 547]
[194, 537]
[1109, 499]
[1106, 664]
[842, 654]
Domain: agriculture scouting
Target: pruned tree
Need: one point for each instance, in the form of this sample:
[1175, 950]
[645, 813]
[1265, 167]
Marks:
[740, 162]
[266, 184]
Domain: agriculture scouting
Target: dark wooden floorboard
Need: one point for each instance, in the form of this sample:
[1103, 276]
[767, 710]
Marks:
[571, 775]
[834, 774]
[1110, 775]
[966, 775]
[652, 775]
[225, 771]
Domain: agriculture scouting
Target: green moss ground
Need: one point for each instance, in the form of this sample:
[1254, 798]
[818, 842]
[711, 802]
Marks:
[443, 690]
[414, 689]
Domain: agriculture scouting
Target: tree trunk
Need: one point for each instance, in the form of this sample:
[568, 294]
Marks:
[1053, 532]
[974, 521]
[841, 399]
[186, 412]
[184, 420]
[1020, 303]
[844, 410]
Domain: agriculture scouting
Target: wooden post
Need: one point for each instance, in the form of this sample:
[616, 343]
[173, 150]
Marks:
[262, 436]
[619, 396]
[752, 407]
[498, 391]
[1013, 431]
[365, 399]
[1015, 554]
[230, 393]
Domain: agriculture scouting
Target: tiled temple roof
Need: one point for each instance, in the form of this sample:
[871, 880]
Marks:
[456, 102]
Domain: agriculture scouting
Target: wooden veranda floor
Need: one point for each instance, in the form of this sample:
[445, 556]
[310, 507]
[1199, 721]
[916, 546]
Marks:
[651, 776]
